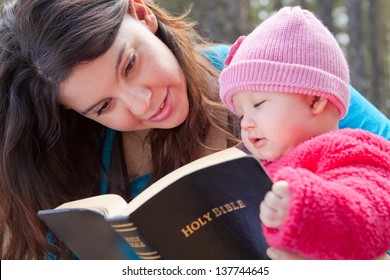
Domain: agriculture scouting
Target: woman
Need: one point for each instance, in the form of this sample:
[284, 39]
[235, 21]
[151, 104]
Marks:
[112, 87]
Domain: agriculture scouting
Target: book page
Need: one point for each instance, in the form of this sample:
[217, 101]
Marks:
[108, 205]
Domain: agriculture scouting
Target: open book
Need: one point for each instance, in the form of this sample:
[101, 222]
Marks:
[207, 209]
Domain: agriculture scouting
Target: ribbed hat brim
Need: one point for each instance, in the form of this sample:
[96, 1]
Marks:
[270, 76]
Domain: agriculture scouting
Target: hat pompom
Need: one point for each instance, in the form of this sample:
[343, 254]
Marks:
[234, 49]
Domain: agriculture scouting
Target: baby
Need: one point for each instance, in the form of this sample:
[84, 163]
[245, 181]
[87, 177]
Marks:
[288, 83]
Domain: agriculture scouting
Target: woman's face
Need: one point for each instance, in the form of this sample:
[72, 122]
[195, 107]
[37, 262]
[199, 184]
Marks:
[137, 84]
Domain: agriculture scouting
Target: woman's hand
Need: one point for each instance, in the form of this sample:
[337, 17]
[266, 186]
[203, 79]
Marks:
[276, 254]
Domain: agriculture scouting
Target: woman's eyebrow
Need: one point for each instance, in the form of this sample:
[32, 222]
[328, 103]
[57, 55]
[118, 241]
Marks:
[119, 59]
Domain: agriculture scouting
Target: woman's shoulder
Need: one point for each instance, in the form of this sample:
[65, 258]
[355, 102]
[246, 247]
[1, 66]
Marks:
[364, 115]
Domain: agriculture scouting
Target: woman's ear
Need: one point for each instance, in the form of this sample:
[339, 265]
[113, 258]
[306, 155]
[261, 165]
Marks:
[318, 104]
[139, 10]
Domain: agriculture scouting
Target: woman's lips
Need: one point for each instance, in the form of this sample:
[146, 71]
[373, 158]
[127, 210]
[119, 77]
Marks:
[165, 109]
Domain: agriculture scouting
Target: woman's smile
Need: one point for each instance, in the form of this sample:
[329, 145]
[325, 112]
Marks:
[165, 109]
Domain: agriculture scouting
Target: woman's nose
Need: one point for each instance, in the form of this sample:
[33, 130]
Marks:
[138, 101]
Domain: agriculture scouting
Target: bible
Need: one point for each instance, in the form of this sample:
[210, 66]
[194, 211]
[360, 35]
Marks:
[207, 209]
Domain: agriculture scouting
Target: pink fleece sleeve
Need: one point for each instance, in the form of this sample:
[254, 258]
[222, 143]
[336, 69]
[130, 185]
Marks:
[343, 216]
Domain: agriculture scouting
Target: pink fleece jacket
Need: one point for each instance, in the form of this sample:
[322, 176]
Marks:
[340, 196]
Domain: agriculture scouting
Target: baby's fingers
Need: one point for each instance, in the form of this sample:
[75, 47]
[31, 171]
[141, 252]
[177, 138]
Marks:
[274, 208]
[279, 196]
[281, 190]
[269, 217]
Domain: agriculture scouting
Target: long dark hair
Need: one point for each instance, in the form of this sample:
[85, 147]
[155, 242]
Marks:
[50, 155]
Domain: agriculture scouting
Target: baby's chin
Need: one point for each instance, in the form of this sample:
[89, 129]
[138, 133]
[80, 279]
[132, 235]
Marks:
[262, 157]
[270, 156]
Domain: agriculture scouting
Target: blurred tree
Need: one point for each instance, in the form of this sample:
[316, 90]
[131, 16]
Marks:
[324, 12]
[219, 20]
[356, 44]
[174, 6]
[373, 52]
[379, 97]
[302, 3]
[225, 20]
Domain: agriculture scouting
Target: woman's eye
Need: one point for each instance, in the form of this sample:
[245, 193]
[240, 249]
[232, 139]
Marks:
[104, 107]
[130, 65]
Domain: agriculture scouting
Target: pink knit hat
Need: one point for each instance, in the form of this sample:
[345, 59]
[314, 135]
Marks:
[290, 52]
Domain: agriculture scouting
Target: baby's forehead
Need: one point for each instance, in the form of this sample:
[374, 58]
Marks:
[247, 96]
[240, 99]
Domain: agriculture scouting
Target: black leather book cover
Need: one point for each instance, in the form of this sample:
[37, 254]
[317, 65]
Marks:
[212, 213]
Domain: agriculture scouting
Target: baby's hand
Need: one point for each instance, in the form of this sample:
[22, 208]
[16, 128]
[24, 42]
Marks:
[274, 208]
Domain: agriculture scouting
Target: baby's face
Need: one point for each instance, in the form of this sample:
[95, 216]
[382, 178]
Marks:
[272, 124]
